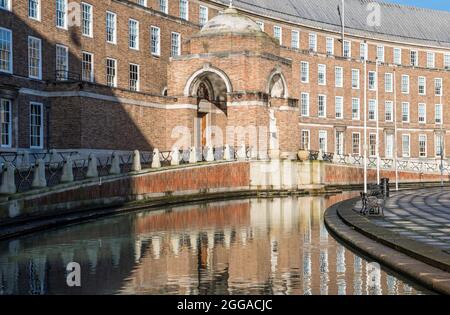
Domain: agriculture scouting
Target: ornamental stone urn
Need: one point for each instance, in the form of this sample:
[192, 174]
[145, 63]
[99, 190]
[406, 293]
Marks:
[303, 155]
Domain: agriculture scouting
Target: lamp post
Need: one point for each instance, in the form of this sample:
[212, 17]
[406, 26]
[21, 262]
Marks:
[395, 129]
[378, 125]
[442, 135]
[365, 125]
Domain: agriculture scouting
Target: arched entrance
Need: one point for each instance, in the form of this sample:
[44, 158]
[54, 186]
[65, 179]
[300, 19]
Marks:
[210, 87]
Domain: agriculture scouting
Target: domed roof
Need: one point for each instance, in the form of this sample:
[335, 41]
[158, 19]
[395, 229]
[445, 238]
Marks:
[230, 21]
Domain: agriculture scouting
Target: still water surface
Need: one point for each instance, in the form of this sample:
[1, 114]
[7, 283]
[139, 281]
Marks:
[255, 246]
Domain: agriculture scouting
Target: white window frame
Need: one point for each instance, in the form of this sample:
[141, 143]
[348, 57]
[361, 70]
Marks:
[90, 21]
[114, 33]
[306, 64]
[405, 78]
[114, 84]
[11, 51]
[66, 57]
[364, 51]
[356, 101]
[356, 75]
[304, 106]
[38, 10]
[9, 122]
[302, 138]
[374, 86]
[372, 103]
[389, 105]
[322, 72]
[91, 74]
[7, 7]
[164, 6]
[447, 61]
[312, 42]
[278, 34]
[425, 154]
[64, 17]
[339, 107]
[431, 60]
[339, 143]
[389, 88]
[330, 46]
[436, 80]
[203, 15]
[41, 127]
[353, 144]
[325, 134]
[137, 87]
[438, 148]
[155, 50]
[381, 55]
[339, 77]
[397, 55]
[424, 79]
[416, 58]
[404, 153]
[372, 145]
[136, 41]
[185, 11]
[178, 35]
[322, 114]
[408, 112]
[295, 39]
[441, 114]
[389, 146]
[347, 51]
[424, 116]
[38, 40]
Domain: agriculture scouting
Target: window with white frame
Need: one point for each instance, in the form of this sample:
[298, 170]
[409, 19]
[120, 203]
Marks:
[322, 106]
[439, 144]
[34, 9]
[355, 109]
[111, 27]
[175, 47]
[313, 42]
[163, 6]
[398, 56]
[438, 86]
[36, 126]
[62, 62]
[304, 71]
[142, 2]
[405, 84]
[447, 61]
[5, 5]
[295, 39]
[6, 53]
[6, 123]
[261, 25]
[355, 79]
[389, 147]
[414, 58]
[184, 9]
[133, 34]
[422, 82]
[372, 109]
[86, 19]
[372, 144]
[34, 58]
[363, 51]
[389, 82]
[347, 48]
[87, 67]
[380, 53]
[422, 113]
[339, 142]
[389, 111]
[134, 77]
[438, 113]
[61, 13]
[339, 77]
[304, 104]
[330, 46]
[322, 74]
[339, 107]
[431, 58]
[405, 112]
[203, 15]
[277, 34]
[406, 152]
[111, 72]
[372, 80]
[305, 143]
[422, 146]
[155, 42]
[323, 145]
[356, 143]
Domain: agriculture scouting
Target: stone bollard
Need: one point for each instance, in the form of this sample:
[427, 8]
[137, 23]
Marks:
[227, 156]
[8, 186]
[193, 155]
[175, 157]
[92, 171]
[39, 180]
[156, 162]
[242, 153]
[210, 154]
[67, 171]
[136, 167]
[115, 164]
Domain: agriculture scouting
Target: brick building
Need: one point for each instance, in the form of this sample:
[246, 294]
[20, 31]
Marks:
[123, 75]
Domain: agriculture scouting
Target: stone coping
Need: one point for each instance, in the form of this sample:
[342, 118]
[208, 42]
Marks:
[427, 265]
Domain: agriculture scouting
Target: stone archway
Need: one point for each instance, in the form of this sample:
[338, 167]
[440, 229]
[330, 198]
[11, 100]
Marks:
[210, 87]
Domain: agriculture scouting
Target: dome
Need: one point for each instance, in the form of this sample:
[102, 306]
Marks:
[230, 21]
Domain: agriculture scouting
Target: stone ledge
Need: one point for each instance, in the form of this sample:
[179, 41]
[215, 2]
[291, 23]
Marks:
[423, 273]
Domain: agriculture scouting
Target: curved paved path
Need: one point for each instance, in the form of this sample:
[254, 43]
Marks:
[421, 215]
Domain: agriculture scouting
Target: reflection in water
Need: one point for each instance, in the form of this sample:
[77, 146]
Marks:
[257, 246]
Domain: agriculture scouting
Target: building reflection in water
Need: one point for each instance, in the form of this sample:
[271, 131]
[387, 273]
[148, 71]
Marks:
[256, 246]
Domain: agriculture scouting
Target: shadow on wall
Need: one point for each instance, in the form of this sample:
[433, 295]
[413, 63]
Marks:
[72, 120]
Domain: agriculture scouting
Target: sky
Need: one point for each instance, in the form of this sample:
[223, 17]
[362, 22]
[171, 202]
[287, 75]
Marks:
[432, 4]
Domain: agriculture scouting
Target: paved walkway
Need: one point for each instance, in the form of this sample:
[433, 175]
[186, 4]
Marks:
[421, 215]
